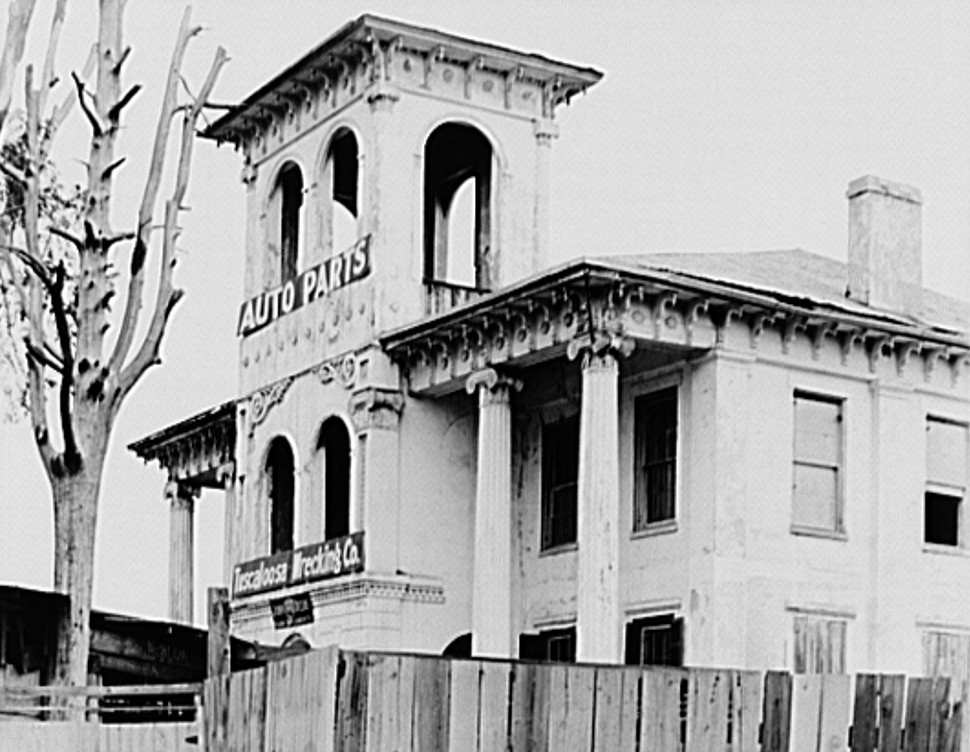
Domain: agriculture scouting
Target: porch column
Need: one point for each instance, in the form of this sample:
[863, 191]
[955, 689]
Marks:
[598, 579]
[227, 476]
[181, 554]
[492, 578]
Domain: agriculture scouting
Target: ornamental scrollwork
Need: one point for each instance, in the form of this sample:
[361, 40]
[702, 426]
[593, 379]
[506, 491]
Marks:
[263, 400]
[342, 370]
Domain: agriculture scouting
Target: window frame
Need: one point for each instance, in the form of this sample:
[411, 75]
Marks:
[838, 530]
[945, 489]
[642, 402]
[671, 622]
[531, 644]
[553, 433]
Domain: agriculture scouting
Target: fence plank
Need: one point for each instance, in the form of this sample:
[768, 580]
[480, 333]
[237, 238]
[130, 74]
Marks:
[833, 733]
[806, 712]
[952, 741]
[431, 704]
[523, 711]
[494, 714]
[352, 703]
[918, 709]
[939, 707]
[215, 705]
[300, 695]
[707, 710]
[464, 700]
[864, 713]
[660, 710]
[892, 696]
[777, 722]
[246, 711]
[382, 703]
[745, 711]
[580, 688]
[615, 709]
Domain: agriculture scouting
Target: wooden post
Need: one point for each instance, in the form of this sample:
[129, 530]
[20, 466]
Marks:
[218, 600]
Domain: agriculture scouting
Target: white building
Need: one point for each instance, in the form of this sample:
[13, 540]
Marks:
[754, 460]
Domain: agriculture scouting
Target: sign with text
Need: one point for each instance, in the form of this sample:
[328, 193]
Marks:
[318, 561]
[313, 284]
[292, 611]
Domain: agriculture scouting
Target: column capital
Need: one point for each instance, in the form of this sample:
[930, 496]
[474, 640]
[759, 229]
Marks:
[599, 346]
[545, 131]
[492, 385]
[374, 407]
[180, 495]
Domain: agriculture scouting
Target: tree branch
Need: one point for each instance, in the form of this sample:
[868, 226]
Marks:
[168, 296]
[136, 280]
[43, 356]
[88, 112]
[69, 237]
[18, 22]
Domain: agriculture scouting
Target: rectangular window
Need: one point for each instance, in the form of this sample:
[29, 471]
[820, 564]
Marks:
[550, 645]
[560, 476]
[817, 471]
[655, 641]
[946, 482]
[655, 458]
[819, 644]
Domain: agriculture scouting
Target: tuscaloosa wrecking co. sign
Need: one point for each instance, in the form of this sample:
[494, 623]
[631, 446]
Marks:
[318, 561]
[314, 283]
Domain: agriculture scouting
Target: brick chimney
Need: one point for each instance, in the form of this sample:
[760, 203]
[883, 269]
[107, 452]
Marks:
[885, 245]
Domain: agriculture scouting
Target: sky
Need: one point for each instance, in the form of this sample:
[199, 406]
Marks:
[730, 125]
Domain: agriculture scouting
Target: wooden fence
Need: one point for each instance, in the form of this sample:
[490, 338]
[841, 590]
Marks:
[362, 702]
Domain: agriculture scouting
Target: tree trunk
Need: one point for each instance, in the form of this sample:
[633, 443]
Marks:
[75, 520]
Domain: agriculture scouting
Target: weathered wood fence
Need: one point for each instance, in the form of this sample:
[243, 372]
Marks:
[55, 736]
[361, 702]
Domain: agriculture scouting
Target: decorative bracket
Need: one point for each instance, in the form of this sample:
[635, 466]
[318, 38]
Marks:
[342, 370]
[262, 401]
[375, 407]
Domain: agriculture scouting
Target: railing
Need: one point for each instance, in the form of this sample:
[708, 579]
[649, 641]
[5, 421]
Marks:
[357, 702]
[441, 297]
[151, 703]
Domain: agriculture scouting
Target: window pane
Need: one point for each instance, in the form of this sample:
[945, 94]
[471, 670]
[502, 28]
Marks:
[941, 519]
[946, 453]
[817, 431]
[815, 496]
[655, 458]
[560, 471]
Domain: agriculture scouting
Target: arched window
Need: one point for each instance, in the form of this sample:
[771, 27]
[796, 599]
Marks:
[279, 484]
[286, 219]
[334, 445]
[342, 179]
[457, 207]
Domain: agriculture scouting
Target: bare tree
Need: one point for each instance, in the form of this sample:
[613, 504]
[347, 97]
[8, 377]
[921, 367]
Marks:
[77, 376]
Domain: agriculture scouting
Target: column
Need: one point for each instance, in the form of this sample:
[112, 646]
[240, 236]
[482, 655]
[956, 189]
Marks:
[227, 476]
[181, 555]
[598, 585]
[545, 131]
[376, 413]
[492, 578]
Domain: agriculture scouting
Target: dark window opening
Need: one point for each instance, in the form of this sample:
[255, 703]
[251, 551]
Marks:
[655, 482]
[457, 200]
[279, 478]
[560, 476]
[946, 481]
[334, 442]
[550, 645]
[941, 519]
[342, 164]
[289, 187]
[655, 641]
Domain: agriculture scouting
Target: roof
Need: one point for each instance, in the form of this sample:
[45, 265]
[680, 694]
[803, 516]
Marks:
[797, 273]
[149, 446]
[792, 282]
[353, 41]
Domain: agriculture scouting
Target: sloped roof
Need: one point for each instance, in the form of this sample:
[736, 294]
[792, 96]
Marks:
[795, 273]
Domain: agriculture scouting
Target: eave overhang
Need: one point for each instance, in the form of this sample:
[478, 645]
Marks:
[535, 319]
[198, 450]
[365, 41]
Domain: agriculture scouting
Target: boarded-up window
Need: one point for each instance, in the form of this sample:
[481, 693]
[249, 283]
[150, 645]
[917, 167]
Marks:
[655, 641]
[948, 654]
[946, 481]
[560, 474]
[819, 644]
[817, 471]
[655, 458]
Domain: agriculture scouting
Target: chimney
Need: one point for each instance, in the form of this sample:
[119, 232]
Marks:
[885, 245]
